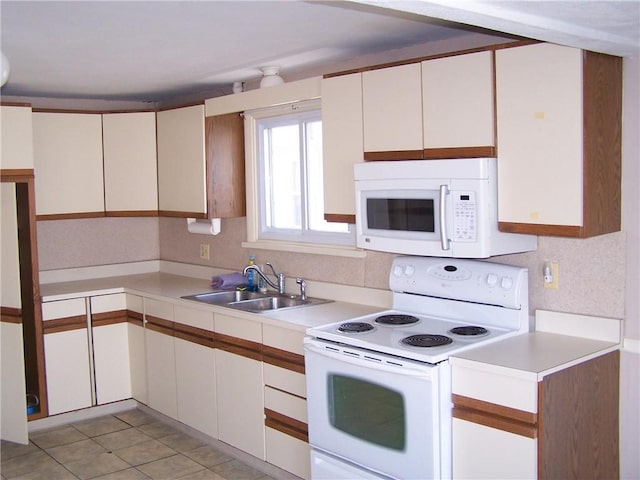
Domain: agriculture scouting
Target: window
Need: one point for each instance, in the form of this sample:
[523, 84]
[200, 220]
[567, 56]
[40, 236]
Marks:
[289, 179]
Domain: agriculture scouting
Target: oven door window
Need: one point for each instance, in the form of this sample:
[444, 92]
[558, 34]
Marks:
[368, 411]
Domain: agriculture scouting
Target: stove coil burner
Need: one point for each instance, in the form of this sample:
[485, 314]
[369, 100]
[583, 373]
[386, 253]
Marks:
[469, 331]
[426, 340]
[396, 319]
[355, 327]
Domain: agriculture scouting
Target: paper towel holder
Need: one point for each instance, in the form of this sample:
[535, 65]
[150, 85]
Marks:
[193, 226]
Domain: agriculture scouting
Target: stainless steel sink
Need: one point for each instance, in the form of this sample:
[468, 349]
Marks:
[254, 301]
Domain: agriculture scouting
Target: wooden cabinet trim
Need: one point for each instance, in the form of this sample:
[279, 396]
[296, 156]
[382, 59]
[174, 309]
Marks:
[159, 325]
[496, 416]
[393, 155]
[10, 315]
[109, 318]
[135, 318]
[69, 216]
[239, 346]
[284, 359]
[131, 213]
[541, 229]
[66, 324]
[200, 336]
[171, 213]
[459, 152]
[287, 425]
[340, 217]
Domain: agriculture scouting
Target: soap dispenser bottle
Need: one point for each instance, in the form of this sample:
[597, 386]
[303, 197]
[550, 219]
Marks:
[251, 283]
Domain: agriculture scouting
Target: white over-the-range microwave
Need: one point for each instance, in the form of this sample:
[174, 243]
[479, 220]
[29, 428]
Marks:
[437, 208]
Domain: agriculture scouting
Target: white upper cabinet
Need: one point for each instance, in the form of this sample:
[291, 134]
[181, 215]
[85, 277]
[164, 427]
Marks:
[341, 143]
[392, 111]
[458, 104]
[559, 124]
[67, 151]
[181, 162]
[130, 173]
[16, 137]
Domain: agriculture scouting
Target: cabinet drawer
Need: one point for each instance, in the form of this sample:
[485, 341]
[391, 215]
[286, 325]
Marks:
[283, 338]
[193, 317]
[63, 309]
[285, 403]
[238, 327]
[285, 380]
[288, 453]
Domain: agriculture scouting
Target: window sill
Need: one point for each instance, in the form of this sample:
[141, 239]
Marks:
[317, 249]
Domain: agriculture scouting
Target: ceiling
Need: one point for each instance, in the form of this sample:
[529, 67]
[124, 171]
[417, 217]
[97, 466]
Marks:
[154, 50]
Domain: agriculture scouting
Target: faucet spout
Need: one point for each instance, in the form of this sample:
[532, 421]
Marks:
[279, 286]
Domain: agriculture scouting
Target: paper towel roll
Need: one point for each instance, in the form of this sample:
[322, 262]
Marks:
[213, 228]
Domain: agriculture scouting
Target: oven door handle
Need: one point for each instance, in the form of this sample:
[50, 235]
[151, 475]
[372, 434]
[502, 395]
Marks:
[361, 360]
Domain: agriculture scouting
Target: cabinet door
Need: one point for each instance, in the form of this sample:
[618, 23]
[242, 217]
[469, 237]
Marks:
[181, 162]
[540, 134]
[66, 350]
[130, 171]
[457, 101]
[161, 360]
[67, 150]
[110, 348]
[137, 350]
[195, 370]
[392, 112]
[16, 131]
[239, 384]
[342, 145]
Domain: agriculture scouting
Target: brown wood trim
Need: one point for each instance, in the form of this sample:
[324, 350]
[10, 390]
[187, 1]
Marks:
[393, 155]
[541, 229]
[239, 346]
[171, 213]
[340, 218]
[135, 318]
[159, 325]
[14, 104]
[131, 213]
[201, 336]
[182, 105]
[494, 409]
[66, 324]
[16, 175]
[497, 422]
[579, 428]
[109, 318]
[283, 358]
[459, 152]
[602, 162]
[507, 44]
[11, 315]
[287, 425]
[69, 216]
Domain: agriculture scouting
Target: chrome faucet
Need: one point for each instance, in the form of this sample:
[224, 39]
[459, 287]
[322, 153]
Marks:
[303, 288]
[279, 286]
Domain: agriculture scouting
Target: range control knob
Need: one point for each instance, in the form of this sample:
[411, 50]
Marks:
[492, 279]
[409, 270]
[397, 271]
[506, 283]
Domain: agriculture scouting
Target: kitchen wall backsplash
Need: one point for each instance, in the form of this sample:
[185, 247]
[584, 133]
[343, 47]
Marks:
[591, 271]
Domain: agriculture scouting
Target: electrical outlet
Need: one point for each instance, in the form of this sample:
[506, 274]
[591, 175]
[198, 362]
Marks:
[550, 274]
[204, 251]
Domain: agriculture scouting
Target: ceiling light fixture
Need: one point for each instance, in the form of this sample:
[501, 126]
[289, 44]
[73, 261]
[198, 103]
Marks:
[5, 68]
[271, 77]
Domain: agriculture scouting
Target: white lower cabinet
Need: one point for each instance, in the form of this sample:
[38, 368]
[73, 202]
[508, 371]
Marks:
[239, 384]
[195, 370]
[137, 350]
[160, 357]
[66, 352]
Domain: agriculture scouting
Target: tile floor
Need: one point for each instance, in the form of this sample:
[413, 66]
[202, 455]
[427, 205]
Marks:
[130, 445]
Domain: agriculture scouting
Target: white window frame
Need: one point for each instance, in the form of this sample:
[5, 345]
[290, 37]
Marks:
[252, 166]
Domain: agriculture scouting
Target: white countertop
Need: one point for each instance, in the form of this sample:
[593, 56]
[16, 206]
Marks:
[169, 286]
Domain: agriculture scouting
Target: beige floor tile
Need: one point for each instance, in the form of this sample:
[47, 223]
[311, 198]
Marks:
[236, 470]
[144, 452]
[56, 437]
[203, 475]
[157, 429]
[135, 417]
[10, 449]
[122, 439]
[55, 472]
[207, 455]
[100, 426]
[31, 463]
[128, 474]
[97, 465]
[76, 451]
[170, 468]
[181, 442]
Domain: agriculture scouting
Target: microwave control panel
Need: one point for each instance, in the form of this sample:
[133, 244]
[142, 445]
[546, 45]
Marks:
[465, 215]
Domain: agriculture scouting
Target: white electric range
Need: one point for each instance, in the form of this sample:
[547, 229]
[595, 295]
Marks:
[378, 386]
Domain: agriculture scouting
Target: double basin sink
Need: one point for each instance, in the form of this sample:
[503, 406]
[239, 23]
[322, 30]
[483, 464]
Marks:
[254, 301]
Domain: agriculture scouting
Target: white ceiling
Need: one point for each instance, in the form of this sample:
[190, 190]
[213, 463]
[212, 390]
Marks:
[154, 50]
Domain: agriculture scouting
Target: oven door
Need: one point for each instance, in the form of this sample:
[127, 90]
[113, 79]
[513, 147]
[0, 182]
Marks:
[378, 412]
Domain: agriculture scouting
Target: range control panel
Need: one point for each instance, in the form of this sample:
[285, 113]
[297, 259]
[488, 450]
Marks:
[459, 279]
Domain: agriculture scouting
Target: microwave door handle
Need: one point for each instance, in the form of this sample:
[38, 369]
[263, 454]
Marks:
[444, 238]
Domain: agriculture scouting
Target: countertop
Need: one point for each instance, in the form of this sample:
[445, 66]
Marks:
[162, 285]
